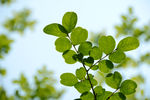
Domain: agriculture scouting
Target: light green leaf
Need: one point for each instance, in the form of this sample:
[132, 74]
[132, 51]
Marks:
[128, 43]
[117, 56]
[55, 30]
[68, 56]
[96, 53]
[94, 82]
[128, 87]
[68, 79]
[104, 96]
[83, 86]
[99, 90]
[105, 66]
[79, 35]
[118, 96]
[62, 44]
[85, 48]
[69, 21]
[87, 96]
[113, 80]
[80, 73]
[107, 44]
[95, 67]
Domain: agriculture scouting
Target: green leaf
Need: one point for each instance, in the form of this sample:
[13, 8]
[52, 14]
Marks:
[79, 35]
[99, 90]
[68, 56]
[104, 96]
[118, 96]
[107, 44]
[113, 80]
[87, 96]
[55, 29]
[128, 87]
[83, 86]
[94, 82]
[69, 21]
[68, 79]
[117, 56]
[95, 67]
[105, 66]
[62, 44]
[80, 73]
[88, 61]
[96, 53]
[85, 47]
[128, 43]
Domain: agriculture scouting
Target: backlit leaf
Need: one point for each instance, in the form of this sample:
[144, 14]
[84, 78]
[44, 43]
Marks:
[62, 44]
[68, 56]
[128, 43]
[107, 44]
[79, 35]
[68, 79]
[55, 30]
[105, 66]
[128, 87]
[69, 21]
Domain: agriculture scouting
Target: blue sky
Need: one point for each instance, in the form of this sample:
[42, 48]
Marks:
[35, 49]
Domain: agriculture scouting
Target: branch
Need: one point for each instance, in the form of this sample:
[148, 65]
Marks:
[85, 69]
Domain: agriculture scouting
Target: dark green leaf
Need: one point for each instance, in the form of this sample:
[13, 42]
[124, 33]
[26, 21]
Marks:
[114, 80]
[88, 61]
[85, 47]
[128, 43]
[68, 56]
[96, 53]
[79, 35]
[55, 29]
[95, 67]
[62, 44]
[107, 44]
[105, 66]
[68, 79]
[69, 21]
[117, 56]
[128, 87]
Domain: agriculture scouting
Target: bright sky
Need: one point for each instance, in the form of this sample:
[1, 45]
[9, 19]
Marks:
[35, 49]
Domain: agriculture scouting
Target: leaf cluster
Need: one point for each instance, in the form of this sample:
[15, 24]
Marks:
[72, 43]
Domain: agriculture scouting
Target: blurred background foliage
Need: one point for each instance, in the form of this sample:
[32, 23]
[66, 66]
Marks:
[128, 27]
[43, 86]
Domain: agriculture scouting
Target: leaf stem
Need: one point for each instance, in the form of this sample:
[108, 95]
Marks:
[113, 93]
[88, 77]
